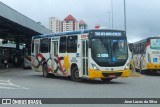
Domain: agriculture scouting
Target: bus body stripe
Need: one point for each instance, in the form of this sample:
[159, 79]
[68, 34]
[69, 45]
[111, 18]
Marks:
[148, 44]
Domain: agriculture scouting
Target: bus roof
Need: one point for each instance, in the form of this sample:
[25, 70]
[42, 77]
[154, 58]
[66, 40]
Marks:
[68, 33]
[146, 39]
[61, 34]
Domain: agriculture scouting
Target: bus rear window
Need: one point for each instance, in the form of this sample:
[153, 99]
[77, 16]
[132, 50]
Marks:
[155, 43]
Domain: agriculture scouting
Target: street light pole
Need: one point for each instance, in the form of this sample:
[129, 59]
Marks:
[112, 12]
[109, 19]
[125, 15]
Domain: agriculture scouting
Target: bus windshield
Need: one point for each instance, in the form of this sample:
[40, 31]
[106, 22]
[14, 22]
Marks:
[155, 43]
[109, 51]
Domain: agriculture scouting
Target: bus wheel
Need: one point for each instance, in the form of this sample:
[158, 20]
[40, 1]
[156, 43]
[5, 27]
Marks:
[45, 71]
[106, 79]
[75, 75]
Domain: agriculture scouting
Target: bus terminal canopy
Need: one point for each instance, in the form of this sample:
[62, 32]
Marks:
[14, 25]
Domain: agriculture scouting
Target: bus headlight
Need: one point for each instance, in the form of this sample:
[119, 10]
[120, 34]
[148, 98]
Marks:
[94, 67]
[127, 66]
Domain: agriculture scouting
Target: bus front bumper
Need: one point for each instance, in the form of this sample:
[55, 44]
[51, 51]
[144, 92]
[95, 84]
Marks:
[108, 74]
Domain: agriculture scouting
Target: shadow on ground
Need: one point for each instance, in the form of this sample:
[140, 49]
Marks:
[84, 81]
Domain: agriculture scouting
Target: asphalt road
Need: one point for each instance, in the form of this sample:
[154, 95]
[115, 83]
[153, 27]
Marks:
[19, 83]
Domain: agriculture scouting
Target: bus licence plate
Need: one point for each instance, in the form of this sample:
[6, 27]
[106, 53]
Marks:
[112, 76]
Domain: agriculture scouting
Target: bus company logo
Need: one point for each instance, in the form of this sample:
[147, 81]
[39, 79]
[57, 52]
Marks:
[6, 101]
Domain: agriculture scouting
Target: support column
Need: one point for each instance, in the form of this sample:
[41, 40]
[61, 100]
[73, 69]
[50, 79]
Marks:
[17, 55]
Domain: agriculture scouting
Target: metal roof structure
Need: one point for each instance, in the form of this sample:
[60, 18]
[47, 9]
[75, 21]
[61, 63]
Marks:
[15, 25]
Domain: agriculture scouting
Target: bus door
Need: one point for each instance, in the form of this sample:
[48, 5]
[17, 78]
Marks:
[54, 52]
[85, 57]
[35, 51]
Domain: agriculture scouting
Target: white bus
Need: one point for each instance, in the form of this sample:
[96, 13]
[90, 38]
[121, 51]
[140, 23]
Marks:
[96, 53]
[146, 55]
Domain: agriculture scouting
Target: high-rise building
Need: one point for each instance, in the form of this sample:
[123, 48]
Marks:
[54, 24]
[82, 24]
[68, 24]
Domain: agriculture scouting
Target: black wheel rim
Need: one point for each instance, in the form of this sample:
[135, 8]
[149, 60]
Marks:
[76, 74]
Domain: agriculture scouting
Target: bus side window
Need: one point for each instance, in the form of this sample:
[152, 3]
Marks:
[72, 44]
[136, 48]
[49, 45]
[32, 47]
[44, 46]
[143, 47]
[140, 47]
[62, 45]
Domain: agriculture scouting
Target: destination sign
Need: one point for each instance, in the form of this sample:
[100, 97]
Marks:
[108, 34]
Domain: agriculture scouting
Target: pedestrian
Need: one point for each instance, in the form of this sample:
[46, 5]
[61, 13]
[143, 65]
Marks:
[5, 63]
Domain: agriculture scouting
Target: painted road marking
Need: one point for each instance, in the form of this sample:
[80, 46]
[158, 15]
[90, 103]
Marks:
[6, 88]
[7, 84]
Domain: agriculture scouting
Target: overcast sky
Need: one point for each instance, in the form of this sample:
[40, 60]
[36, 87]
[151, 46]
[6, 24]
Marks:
[143, 16]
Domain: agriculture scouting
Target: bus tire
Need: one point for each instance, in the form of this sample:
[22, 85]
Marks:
[106, 79]
[75, 75]
[45, 71]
